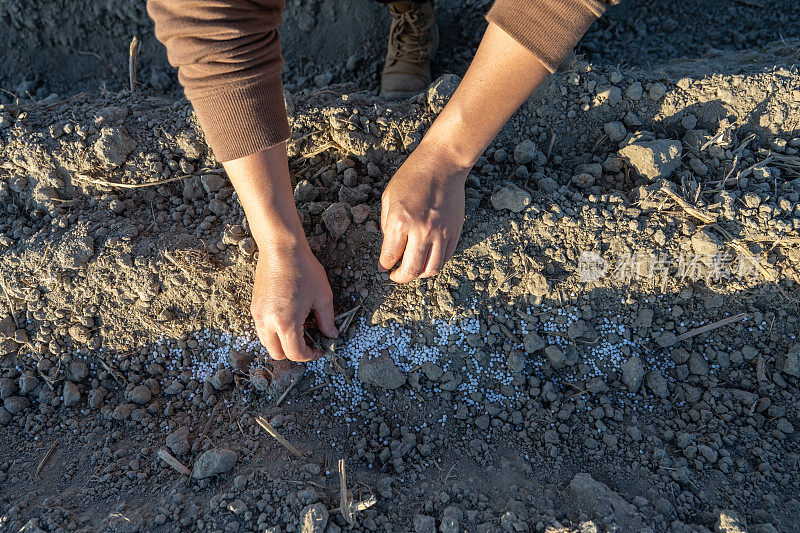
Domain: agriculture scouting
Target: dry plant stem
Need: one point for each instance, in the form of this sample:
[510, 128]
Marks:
[46, 457]
[277, 436]
[699, 214]
[292, 385]
[168, 458]
[344, 497]
[133, 58]
[8, 301]
[714, 325]
[104, 183]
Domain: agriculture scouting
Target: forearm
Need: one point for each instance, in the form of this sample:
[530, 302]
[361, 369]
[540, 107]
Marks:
[502, 76]
[264, 188]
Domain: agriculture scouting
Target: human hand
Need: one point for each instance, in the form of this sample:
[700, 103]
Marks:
[289, 283]
[422, 213]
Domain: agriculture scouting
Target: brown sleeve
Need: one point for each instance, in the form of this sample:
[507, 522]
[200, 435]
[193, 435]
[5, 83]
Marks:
[548, 28]
[228, 55]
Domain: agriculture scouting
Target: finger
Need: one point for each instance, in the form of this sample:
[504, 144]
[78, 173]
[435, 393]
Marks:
[273, 345]
[435, 258]
[394, 242]
[451, 249]
[414, 258]
[323, 311]
[294, 345]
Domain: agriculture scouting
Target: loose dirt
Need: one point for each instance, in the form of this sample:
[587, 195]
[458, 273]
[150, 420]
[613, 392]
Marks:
[614, 345]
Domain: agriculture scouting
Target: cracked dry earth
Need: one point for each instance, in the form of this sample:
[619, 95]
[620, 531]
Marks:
[612, 348]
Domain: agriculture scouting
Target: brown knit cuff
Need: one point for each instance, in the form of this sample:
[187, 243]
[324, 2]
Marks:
[550, 29]
[239, 121]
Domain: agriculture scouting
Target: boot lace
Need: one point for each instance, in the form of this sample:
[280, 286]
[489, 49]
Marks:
[409, 35]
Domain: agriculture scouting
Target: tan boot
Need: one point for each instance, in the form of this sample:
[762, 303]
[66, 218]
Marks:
[412, 42]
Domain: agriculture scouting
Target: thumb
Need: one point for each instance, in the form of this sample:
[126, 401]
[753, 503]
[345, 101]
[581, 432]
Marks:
[323, 311]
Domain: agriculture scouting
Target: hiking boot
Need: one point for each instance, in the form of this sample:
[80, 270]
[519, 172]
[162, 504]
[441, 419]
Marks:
[412, 42]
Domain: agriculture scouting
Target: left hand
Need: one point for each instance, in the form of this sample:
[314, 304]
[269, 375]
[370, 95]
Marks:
[422, 213]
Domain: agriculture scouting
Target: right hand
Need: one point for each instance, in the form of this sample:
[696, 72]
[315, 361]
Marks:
[289, 283]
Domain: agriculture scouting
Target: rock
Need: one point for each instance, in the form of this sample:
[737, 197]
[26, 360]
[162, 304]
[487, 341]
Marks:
[667, 339]
[213, 182]
[583, 180]
[140, 395]
[8, 388]
[533, 343]
[515, 361]
[424, 524]
[730, 522]
[113, 147]
[698, 365]
[791, 363]
[512, 198]
[78, 370]
[241, 360]
[556, 357]
[305, 192]
[525, 152]
[214, 462]
[16, 404]
[27, 383]
[7, 327]
[314, 518]
[355, 195]
[706, 243]
[337, 219]
[222, 379]
[653, 159]
[657, 384]
[123, 411]
[657, 91]
[615, 130]
[547, 185]
[596, 499]
[191, 146]
[633, 373]
[634, 91]
[360, 213]
[70, 394]
[382, 372]
[178, 440]
[5, 416]
[80, 333]
[441, 90]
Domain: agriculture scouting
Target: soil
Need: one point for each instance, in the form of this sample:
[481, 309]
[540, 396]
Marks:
[614, 345]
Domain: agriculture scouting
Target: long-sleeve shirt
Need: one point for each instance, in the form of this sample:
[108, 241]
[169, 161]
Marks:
[228, 55]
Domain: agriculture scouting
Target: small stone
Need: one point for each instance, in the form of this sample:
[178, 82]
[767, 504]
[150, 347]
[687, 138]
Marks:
[440, 92]
[191, 146]
[178, 440]
[657, 384]
[113, 147]
[596, 498]
[360, 213]
[730, 522]
[525, 152]
[140, 395]
[547, 185]
[70, 394]
[16, 404]
[556, 357]
[355, 195]
[222, 379]
[657, 91]
[5, 416]
[382, 372]
[582, 181]
[78, 371]
[706, 244]
[633, 373]
[634, 91]
[653, 159]
[337, 219]
[305, 192]
[27, 383]
[424, 524]
[213, 182]
[533, 343]
[667, 339]
[698, 365]
[123, 411]
[791, 364]
[214, 462]
[8, 388]
[314, 518]
[512, 198]
[80, 333]
[615, 130]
